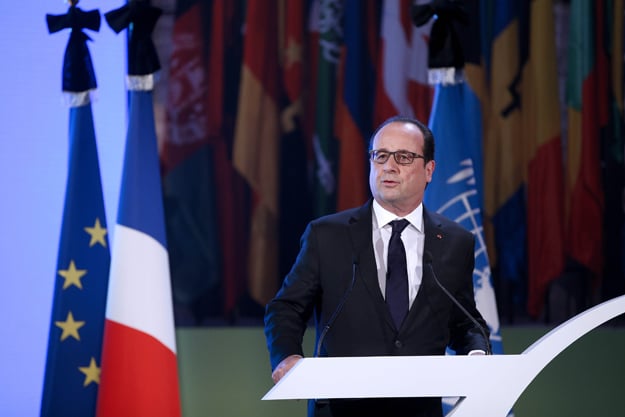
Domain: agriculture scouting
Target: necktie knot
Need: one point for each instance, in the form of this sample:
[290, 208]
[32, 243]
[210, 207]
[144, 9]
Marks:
[399, 225]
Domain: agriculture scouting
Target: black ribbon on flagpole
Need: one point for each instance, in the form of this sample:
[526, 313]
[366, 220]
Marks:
[142, 55]
[445, 56]
[78, 72]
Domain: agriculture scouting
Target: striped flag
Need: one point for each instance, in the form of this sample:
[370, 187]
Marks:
[504, 198]
[541, 128]
[139, 368]
[77, 323]
[223, 66]
[354, 103]
[587, 102]
[256, 151]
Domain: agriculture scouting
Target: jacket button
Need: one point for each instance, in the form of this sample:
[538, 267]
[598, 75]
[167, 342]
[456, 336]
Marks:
[398, 344]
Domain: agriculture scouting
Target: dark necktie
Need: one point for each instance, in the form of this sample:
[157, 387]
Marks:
[397, 274]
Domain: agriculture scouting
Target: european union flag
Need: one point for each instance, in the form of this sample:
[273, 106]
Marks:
[75, 341]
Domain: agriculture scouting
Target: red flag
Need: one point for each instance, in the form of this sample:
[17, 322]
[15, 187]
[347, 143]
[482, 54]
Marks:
[402, 82]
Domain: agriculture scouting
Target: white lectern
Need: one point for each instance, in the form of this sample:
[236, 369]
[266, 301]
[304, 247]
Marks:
[488, 385]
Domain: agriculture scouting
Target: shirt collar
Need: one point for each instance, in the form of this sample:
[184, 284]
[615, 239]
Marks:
[384, 217]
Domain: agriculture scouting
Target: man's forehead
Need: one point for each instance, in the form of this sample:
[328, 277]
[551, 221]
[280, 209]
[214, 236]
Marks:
[400, 133]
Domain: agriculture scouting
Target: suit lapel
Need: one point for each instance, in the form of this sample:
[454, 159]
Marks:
[434, 235]
[434, 240]
[360, 228]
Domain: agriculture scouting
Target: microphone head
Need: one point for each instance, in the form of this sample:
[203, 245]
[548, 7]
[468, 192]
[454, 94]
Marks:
[427, 257]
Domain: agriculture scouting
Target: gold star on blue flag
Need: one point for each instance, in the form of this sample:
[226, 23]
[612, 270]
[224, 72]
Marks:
[72, 372]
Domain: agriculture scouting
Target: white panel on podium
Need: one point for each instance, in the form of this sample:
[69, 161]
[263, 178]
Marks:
[488, 385]
[388, 376]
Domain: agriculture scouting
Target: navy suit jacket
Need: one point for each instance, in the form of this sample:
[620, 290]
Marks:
[339, 247]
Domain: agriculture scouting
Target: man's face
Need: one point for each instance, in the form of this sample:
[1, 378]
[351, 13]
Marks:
[399, 188]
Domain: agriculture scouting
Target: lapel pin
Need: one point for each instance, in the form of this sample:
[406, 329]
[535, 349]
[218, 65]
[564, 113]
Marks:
[439, 236]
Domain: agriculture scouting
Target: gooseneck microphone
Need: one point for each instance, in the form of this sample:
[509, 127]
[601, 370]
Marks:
[338, 309]
[427, 260]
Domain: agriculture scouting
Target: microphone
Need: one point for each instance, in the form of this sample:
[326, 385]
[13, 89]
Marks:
[338, 309]
[427, 260]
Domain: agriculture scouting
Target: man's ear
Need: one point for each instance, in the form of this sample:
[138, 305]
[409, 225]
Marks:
[429, 167]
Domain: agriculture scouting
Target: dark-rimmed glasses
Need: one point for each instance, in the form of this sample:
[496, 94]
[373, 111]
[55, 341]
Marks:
[401, 157]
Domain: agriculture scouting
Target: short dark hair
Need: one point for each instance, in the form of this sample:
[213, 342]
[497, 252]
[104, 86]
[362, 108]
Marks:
[428, 136]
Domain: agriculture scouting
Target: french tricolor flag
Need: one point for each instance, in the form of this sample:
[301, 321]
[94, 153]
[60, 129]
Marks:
[139, 369]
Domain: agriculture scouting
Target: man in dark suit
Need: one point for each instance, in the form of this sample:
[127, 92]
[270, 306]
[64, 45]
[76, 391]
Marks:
[348, 268]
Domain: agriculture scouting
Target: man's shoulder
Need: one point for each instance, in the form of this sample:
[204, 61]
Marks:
[345, 216]
[445, 222]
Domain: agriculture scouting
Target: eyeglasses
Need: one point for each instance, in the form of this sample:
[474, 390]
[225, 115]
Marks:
[401, 157]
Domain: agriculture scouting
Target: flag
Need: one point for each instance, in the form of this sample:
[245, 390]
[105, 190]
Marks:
[402, 75]
[587, 102]
[295, 196]
[541, 129]
[324, 143]
[313, 29]
[456, 191]
[504, 197]
[456, 188]
[223, 69]
[256, 144]
[139, 368]
[73, 364]
[203, 230]
[72, 372]
[188, 175]
[355, 101]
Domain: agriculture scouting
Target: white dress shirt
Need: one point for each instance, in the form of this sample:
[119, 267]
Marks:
[413, 238]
